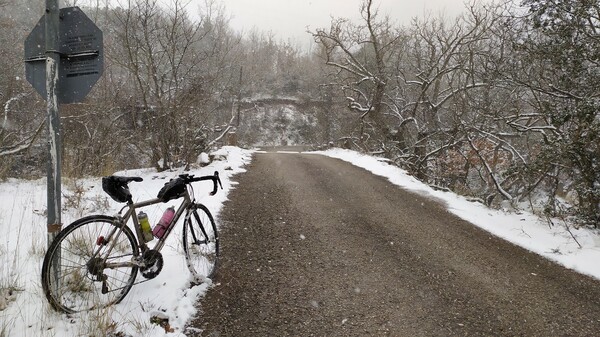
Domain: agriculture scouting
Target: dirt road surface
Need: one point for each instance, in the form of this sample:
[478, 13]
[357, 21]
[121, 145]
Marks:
[313, 246]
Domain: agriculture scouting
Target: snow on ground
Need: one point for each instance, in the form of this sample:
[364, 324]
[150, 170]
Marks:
[23, 243]
[25, 312]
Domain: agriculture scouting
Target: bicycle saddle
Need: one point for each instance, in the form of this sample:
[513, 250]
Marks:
[116, 187]
[125, 180]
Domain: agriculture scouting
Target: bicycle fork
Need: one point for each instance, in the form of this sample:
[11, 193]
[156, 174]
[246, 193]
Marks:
[189, 223]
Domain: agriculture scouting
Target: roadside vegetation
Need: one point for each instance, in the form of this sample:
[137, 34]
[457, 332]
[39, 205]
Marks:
[500, 104]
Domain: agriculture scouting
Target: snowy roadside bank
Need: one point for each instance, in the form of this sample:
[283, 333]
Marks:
[23, 244]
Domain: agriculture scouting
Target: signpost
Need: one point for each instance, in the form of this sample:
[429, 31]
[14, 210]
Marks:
[63, 60]
[79, 45]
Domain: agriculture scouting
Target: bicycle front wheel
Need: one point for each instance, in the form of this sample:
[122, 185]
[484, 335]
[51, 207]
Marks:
[84, 270]
[200, 243]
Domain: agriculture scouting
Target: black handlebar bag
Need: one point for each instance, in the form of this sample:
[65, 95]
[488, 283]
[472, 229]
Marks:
[174, 189]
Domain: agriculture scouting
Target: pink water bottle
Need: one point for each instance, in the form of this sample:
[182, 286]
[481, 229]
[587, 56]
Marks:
[161, 227]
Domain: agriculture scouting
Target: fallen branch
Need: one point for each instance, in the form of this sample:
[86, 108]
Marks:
[568, 228]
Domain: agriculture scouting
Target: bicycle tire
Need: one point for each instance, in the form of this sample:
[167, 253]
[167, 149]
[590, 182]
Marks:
[76, 286]
[200, 243]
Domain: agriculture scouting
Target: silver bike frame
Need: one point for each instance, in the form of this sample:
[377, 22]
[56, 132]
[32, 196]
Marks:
[120, 222]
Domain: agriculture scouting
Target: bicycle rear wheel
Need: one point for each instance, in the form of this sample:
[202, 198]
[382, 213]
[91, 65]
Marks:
[200, 243]
[74, 273]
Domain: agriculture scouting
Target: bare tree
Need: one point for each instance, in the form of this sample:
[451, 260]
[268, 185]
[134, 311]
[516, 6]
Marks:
[166, 54]
[20, 123]
[361, 53]
[15, 138]
[439, 68]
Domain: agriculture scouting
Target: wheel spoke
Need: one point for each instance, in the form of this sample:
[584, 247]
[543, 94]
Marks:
[201, 243]
[72, 279]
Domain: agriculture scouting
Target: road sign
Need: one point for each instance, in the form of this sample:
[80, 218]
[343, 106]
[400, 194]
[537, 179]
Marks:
[81, 56]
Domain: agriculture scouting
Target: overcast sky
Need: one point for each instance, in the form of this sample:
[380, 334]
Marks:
[288, 19]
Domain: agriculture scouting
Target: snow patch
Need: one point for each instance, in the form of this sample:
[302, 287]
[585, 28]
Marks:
[168, 297]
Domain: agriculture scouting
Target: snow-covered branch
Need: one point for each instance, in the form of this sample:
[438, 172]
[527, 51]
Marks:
[489, 170]
[7, 107]
[23, 145]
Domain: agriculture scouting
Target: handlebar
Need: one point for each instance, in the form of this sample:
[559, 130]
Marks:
[188, 179]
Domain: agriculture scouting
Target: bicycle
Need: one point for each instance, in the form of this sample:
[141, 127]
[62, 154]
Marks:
[93, 262]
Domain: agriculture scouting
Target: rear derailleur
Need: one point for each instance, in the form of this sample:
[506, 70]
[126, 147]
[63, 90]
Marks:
[95, 267]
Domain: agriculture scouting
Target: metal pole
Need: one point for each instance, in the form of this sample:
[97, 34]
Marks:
[54, 137]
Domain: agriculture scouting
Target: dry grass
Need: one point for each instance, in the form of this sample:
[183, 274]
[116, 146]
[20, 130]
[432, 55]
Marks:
[97, 323]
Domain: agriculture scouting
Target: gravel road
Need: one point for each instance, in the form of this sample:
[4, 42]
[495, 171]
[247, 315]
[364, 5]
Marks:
[313, 246]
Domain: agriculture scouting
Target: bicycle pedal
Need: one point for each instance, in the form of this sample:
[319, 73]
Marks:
[103, 278]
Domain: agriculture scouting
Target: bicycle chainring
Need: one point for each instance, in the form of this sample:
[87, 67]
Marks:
[153, 261]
